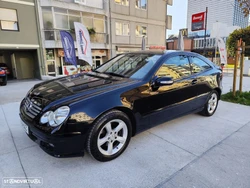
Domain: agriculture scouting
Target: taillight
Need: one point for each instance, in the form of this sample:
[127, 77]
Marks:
[2, 72]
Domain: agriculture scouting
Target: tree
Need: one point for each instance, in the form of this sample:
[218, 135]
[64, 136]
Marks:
[245, 5]
[237, 35]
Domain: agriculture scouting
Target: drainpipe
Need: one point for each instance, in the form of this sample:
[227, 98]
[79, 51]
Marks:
[40, 50]
[110, 31]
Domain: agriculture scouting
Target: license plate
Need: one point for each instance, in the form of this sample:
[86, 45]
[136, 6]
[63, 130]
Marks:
[26, 128]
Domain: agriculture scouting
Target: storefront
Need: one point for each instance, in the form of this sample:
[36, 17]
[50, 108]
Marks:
[56, 65]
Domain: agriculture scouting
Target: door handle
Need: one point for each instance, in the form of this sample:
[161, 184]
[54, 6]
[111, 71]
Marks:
[194, 82]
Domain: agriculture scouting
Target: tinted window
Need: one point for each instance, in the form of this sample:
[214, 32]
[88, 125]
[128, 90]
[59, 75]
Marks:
[198, 65]
[129, 65]
[176, 67]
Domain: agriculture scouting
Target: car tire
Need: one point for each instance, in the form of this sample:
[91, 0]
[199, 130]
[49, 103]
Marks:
[109, 136]
[4, 83]
[211, 104]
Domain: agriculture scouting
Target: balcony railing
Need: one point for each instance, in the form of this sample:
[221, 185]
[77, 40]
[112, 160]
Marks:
[54, 35]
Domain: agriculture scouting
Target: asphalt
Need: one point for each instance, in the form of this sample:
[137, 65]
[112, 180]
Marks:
[192, 151]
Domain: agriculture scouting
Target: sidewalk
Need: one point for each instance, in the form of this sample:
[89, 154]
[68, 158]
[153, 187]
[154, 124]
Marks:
[227, 83]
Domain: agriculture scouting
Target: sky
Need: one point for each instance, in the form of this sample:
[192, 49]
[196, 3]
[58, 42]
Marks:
[179, 16]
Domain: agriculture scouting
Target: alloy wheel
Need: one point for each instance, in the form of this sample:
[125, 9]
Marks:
[112, 137]
[212, 103]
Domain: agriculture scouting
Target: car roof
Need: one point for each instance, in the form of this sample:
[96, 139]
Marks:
[156, 52]
[161, 52]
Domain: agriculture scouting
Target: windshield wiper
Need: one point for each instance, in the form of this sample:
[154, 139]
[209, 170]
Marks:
[96, 71]
[115, 74]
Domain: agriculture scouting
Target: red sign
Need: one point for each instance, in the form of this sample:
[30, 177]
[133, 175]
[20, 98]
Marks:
[157, 47]
[198, 21]
[199, 17]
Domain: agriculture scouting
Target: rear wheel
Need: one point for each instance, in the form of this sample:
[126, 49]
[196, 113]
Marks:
[109, 136]
[211, 105]
[4, 81]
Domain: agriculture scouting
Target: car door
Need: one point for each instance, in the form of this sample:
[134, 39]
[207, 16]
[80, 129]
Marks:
[204, 81]
[168, 102]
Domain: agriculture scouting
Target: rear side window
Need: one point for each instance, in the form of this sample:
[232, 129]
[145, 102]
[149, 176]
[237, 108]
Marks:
[198, 65]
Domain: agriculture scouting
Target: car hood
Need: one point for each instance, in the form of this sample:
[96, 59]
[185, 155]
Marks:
[76, 87]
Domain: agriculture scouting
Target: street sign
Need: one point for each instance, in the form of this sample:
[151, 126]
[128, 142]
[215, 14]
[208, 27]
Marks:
[198, 21]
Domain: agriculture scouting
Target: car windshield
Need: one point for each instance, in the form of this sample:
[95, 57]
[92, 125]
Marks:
[129, 65]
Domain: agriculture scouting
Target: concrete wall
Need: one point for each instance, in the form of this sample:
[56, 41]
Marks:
[153, 18]
[156, 10]
[28, 33]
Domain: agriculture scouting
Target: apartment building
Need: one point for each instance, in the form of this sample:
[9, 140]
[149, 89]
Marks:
[56, 15]
[132, 19]
[20, 47]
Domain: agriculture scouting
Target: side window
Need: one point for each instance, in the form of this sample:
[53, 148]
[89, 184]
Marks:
[198, 65]
[176, 67]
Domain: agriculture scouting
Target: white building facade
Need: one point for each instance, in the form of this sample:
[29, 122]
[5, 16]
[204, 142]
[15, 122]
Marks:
[224, 11]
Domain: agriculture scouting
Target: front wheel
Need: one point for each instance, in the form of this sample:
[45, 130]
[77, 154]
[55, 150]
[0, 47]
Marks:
[109, 136]
[211, 105]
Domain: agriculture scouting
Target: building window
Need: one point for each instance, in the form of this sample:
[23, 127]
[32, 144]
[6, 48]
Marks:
[141, 4]
[80, 1]
[140, 31]
[122, 2]
[47, 18]
[61, 18]
[121, 28]
[8, 19]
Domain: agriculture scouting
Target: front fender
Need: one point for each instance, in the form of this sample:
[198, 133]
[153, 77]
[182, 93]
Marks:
[96, 106]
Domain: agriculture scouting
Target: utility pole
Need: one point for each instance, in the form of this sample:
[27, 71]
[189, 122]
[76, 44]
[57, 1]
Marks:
[205, 33]
[242, 64]
[235, 66]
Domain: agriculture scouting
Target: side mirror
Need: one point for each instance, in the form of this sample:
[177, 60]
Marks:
[164, 81]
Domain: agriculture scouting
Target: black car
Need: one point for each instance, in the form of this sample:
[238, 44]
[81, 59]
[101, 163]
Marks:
[3, 77]
[99, 111]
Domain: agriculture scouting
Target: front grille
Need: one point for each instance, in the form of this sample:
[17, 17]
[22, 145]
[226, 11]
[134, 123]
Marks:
[31, 108]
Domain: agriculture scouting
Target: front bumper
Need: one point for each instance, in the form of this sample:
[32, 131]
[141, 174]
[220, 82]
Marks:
[66, 145]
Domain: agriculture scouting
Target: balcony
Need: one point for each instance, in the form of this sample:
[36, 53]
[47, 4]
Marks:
[53, 39]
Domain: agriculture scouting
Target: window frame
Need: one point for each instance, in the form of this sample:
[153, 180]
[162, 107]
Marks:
[140, 8]
[123, 23]
[139, 31]
[191, 68]
[81, 2]
[122, 4]
[18, 28]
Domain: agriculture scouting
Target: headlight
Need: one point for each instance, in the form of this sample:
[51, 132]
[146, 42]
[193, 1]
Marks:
[45, 118]
[55, 118]
[61, 114]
